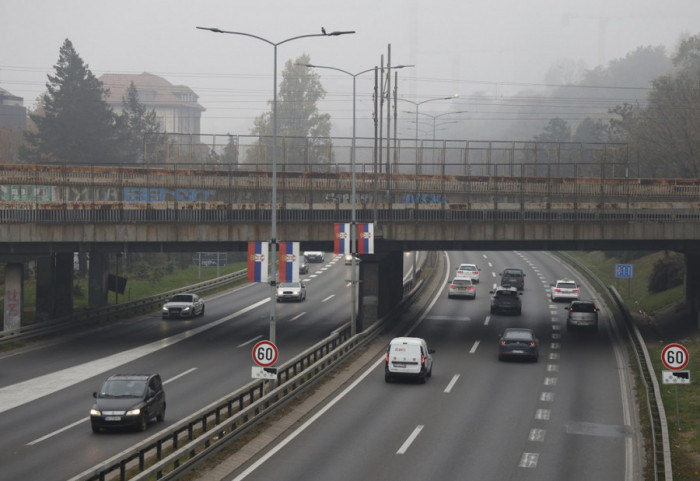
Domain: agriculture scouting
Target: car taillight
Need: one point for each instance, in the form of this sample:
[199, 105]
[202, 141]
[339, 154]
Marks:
[471, 288]
[422, 360]
[574, 290]
[387, 358]
[557, 290]
[503, 343]
[532, 344]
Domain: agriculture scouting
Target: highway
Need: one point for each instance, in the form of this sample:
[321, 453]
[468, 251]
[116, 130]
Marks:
[46, 391]
[569, 416]
[566, 417]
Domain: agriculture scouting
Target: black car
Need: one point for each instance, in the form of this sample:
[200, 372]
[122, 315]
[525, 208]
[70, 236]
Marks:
[506, 299]
[303, 266]
[128, 401]
[518, 343]
[513, 277]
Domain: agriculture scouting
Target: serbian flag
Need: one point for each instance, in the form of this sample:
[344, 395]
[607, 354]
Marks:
[341, 239]
[289, 262]
[365, 238]
[257, 261]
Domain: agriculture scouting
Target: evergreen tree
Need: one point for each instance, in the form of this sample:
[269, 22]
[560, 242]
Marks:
[74, 124]
[302, 131]
[138, 128]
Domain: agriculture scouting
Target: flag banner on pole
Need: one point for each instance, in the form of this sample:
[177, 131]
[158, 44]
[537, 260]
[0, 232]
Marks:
[341, 239]
[289, 262]
[365, 238]
[258, 270]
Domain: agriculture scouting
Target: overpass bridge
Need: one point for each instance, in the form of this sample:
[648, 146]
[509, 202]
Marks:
[50, 211]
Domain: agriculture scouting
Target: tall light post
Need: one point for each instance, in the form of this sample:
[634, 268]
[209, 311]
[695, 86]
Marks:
[353, 221]
[273, 234]
[418, 104]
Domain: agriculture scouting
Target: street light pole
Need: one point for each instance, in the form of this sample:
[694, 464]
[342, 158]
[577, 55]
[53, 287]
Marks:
[353, 222]
[273, 234]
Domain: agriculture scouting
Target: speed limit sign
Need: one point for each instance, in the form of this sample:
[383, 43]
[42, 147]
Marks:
[675, 357]
[265, 353]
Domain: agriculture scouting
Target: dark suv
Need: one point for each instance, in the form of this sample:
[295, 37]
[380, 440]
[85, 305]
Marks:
[128, 400]
[506, 299]
[513, 278]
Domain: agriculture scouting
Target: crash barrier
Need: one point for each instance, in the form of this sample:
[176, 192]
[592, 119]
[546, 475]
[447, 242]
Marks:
[176, 449]
[85, 317]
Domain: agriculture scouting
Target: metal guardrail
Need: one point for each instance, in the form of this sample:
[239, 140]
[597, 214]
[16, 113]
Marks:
[85, 317]
[164, 456]
[662, 467]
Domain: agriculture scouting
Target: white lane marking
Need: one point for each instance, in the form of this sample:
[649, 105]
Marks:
[529, 460]
[452, 383]
[550, 381]
[32, 389]
[543, 414]
[553, 356]
[407, 444]
[328, 298]
[251, 341]
[297, 317]
[487, 320]
[552, 367]
[66, 428]
[547, 397]
[554, 345]
[473, 349]
[537, 435]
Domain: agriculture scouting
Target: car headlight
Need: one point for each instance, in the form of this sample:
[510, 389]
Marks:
[95, 412]
[165, 309]
[186, 309]
[134, 412]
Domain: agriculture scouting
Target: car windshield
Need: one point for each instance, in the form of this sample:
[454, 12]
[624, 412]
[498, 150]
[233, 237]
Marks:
[506, 294]
[583, 307]
[289, 284]
[518, 336]
[467, 267]
[123, 388]
[182, 298]
[461, 282]
[513, 273]
[566, 285]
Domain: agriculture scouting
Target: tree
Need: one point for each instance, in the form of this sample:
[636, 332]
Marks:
[302, 131]
[557, 130]
[136, 126]
[76, 124]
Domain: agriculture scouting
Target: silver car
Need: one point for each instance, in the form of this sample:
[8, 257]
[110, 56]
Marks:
[183, 305]
[291, 291]
[582, 314]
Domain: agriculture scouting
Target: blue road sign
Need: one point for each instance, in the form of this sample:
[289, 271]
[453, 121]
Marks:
[625, 271]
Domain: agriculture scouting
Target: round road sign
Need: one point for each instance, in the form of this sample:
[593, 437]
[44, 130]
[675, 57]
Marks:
[265, 354]
[675, 357]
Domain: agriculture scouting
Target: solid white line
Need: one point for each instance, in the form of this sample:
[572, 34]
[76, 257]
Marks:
[409, 441]
[32, 389]
[452, 383]
[66, 428]
[328, 298]
[473, 349]
[251, 341]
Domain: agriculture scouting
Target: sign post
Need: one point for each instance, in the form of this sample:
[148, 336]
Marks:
[625, 271]
[675, 357]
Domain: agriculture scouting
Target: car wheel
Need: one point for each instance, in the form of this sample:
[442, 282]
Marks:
[161, 417]
[569, 327]
[387, 378]
[493, 311]
[143, 422]
[421, 379]
[95, 429]
[520, 311]
[202, 313]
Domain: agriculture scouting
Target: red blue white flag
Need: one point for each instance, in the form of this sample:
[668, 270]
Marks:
[365, 238]
[258, 270]
[289, 262]
[341, 239]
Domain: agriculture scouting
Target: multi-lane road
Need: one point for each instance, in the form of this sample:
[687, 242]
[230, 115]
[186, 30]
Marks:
[566, 417]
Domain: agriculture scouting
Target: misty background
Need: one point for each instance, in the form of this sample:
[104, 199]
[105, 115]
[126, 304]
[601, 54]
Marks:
[513, 65]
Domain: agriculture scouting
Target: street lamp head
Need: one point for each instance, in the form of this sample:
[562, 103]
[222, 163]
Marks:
[335, 34]
[211, 29]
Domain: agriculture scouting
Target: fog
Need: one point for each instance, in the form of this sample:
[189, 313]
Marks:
[482, 49]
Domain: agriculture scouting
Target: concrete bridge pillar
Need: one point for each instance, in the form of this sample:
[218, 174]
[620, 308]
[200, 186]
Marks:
[381, 286]
[54, 286]
[14, 295]
[98, 275]
[692, 286]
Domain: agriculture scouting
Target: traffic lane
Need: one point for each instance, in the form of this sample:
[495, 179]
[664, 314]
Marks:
[115, 337]
[211, 349]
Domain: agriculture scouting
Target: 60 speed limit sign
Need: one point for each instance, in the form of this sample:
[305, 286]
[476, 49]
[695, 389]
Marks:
[675, 357]
[265, 354]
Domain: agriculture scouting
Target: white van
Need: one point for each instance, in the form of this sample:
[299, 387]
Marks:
[408, 357]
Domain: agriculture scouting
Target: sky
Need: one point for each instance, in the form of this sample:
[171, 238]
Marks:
[456, 47]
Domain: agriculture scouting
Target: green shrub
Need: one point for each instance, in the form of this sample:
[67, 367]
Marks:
[668, 272]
